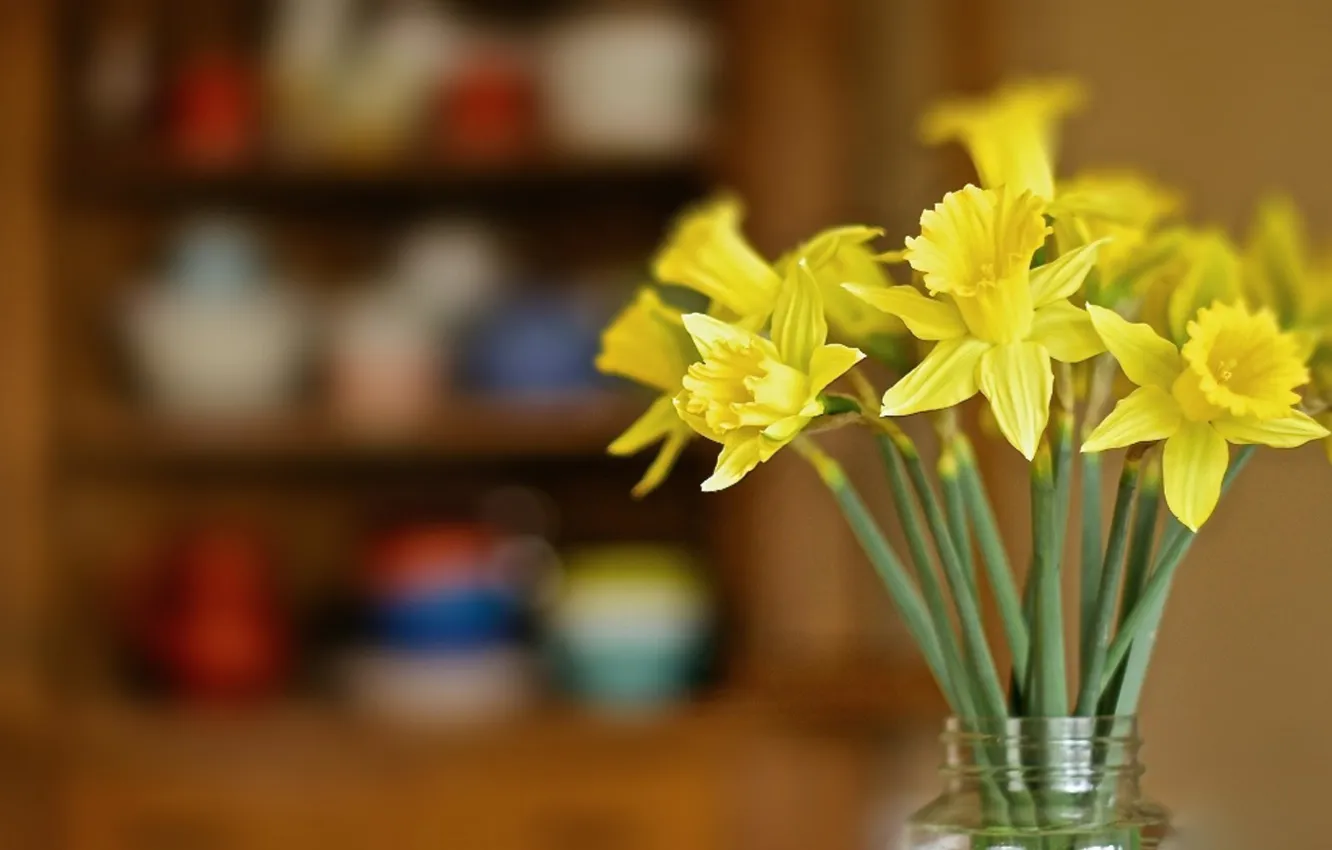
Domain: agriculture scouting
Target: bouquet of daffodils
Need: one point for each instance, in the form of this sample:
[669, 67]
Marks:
[1086, 317]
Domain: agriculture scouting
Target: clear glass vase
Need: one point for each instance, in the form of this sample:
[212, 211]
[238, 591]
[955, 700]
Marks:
[1067, 783]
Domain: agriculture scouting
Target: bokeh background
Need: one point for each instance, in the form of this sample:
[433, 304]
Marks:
[308, 534]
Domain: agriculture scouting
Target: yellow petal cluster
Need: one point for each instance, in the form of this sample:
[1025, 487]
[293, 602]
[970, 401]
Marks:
[753, 394]
[1194, 268]
[1232, 381]
[843, 255]
[706, 252]
[1001, 274]
[1009, 135]
[647, 343]
[997, 322]
[1281, 273]
[1124, 210]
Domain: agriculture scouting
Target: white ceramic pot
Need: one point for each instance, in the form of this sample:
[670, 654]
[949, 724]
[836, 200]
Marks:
[626, 83]
[239, 353]
[469, 688]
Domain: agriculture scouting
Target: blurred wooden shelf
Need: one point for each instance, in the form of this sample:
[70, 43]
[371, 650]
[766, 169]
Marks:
[466, 428]
[862, 693]
[539, 183]
[110, 732]
[860, 698]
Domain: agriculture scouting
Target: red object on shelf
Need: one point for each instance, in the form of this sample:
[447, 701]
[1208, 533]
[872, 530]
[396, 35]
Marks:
[424, 555]
[214, 120]
[211, 619]
[489, 109]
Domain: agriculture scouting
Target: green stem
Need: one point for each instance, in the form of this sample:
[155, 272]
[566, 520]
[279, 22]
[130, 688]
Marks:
[1138, 630]
[886, 563]
[1063, 475]
[1106, 594]
[1144, 534]
[995, 557]
[1091, 554]
[1139, 559]
[1049, 688]
[898, 451]
[955, 510]
[936, 601]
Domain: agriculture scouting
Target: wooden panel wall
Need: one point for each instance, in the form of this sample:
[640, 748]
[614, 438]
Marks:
[24, 87]
[24, 98]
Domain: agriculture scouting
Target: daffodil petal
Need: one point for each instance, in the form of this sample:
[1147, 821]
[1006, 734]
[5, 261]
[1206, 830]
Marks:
[662, 463]
[823, 246]
[1010, 134]
[927, 318]
[780, 433]
[1145, 415]
[947, 376]
[1066, 332]
[646, 343]
[1194, 464]
[739, 456]
[1017, 379]
[710, 334]
[1147, 359]
[1277, 259]
[1284, 432]
[1214, 274]
[778, 392]
[829, 363]
[706, 252]
[658, 421]
[798, 325]
[1060, 279]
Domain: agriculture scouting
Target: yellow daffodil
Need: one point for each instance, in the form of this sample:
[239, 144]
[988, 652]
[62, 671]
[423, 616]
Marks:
[1232, 381]
[1122, 208]
[842, 255]
[1279, 272]
[1196, 268]
[706, 252]
[998, 322]
[1011, 134]
[647, 343]
[754, 395]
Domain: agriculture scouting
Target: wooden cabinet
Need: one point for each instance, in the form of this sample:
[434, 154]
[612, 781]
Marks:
[554, 783]
[655, 804]
[790, 577]
[112, 813]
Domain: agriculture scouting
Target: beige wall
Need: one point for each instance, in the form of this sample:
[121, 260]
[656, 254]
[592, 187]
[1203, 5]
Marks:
[1226, 100]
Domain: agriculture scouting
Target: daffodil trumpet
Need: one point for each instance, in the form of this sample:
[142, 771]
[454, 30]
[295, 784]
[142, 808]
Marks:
[1098, 335]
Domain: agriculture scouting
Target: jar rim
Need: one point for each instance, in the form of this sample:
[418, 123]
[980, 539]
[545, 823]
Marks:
[1069, 728]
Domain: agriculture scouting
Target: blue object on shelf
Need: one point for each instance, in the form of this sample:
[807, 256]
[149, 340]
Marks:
[447, 619]
[534, 345]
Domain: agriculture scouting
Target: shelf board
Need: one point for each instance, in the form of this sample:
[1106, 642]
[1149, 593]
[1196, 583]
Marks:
[869, 692]
[540, 183]
[465, 428]
[142, 735]
[861, 698]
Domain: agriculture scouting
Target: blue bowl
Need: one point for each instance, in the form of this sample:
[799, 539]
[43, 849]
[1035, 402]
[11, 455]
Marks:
[533, 346]
[453, 619]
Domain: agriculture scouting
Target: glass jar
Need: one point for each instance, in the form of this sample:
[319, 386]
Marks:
[1065, 783]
